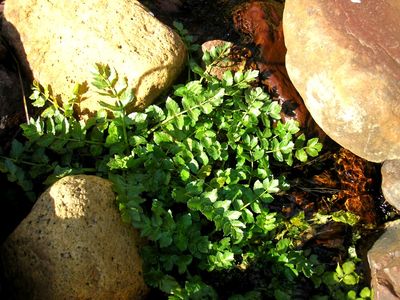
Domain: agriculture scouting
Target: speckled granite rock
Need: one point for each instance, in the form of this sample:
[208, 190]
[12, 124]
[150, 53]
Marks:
[60, 42]
[344, 59]
[73, 245]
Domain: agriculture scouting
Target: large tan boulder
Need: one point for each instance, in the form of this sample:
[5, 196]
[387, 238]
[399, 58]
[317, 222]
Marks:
[73, 245]
[344, 58]
[60, 42]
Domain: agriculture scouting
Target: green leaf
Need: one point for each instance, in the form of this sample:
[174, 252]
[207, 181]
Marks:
[351, 295]
[313, 147]
[222, 260]
[168, 284]
[348, 267]
[247, 216]
[233, 215]
[16, 149]
[155, 113]
[195, 68]
[258, 187]
[194, 87]
[312, 152]
[195, 203]
[162, 137]
[172, 108]
[255, 207]
[274, 110]
[165, 240]
[185, 174]
[282, 295]
[330, 278]
[212, 195]
[31, 131]
[114, 134]
[339, 271]
[178, 26]
[350, 279]
[301, 155]
[40, 101]
[365, 293]
[227, 78]
[271, 186]
[48, 112]
[345, 217]
[183, 262]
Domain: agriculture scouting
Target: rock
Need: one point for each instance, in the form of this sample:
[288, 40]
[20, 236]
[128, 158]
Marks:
[73, 245]
[384, 261]
[391, 182]
[11, 102]
[261, 21]
[62, 50]
[344, 59]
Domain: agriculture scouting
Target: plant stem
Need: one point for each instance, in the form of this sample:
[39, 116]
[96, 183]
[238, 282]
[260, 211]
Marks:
[179, 114]
[22, 161]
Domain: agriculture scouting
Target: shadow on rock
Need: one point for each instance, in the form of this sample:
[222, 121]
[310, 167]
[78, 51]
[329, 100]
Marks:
[73, 245]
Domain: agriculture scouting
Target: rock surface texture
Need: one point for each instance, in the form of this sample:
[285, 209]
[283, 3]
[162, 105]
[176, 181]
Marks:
[60, 42]
[384, 261]
[73, 245]
[391, 182]
[344, 58]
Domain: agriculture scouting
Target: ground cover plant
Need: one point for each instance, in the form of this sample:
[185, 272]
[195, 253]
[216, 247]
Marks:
[196, 176]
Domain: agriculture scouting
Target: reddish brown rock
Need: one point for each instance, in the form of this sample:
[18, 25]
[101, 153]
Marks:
[262, 22]
[344, 59]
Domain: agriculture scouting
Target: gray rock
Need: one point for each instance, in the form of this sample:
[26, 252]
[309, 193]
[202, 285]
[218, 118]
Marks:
[344, 59]
[73, 245]
[384, 262]
[391, 182]
[60, 42]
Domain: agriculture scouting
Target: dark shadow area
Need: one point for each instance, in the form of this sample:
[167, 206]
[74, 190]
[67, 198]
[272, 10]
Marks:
[204, 19]
[14, 208]
[15, 81]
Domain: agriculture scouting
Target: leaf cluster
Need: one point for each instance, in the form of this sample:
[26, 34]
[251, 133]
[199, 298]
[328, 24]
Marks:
[194, 176]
